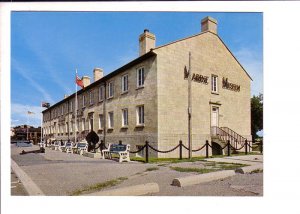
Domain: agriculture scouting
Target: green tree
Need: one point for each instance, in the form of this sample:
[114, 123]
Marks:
[256, 115]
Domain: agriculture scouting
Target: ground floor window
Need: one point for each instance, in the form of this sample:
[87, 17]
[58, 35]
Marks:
[101, 121]
[140, 115]
[125, 117]
[110, 119]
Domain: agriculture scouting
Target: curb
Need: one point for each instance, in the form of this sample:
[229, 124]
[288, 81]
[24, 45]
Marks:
[29, 185]
[249, 169]
[137, 190]
[202, 178]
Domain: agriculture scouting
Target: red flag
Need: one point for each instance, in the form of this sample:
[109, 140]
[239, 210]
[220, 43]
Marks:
[79, 81]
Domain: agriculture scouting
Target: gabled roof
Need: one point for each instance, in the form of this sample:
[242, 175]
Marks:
[162, 46]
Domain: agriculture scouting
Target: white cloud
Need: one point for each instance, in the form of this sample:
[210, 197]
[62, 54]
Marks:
[26, 74]
[19, 114]
[253, 64]
[47, 64]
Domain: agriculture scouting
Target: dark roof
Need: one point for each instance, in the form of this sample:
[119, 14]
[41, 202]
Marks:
[105, 78]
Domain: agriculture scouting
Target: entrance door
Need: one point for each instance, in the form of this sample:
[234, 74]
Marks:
[214, 119]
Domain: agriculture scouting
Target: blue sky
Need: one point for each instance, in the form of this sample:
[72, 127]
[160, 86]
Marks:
[47, 47]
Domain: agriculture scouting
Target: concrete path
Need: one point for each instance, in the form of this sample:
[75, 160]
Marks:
[57, 173]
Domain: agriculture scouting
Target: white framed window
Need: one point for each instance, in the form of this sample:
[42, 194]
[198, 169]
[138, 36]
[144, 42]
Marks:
[91, 123]
[101, 121]
[140, 115]
[91, 97]
[71, 106]
[110, 89]
[83, 124]
[71, 126]
[83, 100]
[110, 120]
[140, 77]
[214, 83]
[101, 93]
[124, 117]
[124, 80]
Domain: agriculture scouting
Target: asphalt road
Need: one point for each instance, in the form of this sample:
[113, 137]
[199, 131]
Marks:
[58, 173]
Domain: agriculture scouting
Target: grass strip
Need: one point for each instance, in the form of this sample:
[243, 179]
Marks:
[98, 186]
[198, 170]
[152, 169]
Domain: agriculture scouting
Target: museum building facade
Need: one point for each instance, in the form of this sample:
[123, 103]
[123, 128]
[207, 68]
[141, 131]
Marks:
[148, 98]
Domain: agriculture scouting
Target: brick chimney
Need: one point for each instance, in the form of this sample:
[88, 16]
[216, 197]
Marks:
[86, 81]
[147, 42]
[209, 24]
[98, 74]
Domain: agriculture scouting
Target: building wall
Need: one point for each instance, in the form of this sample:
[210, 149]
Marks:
[209, 56]
[133, 134]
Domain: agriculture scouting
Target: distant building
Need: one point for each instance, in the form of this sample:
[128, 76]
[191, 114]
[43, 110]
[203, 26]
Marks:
[21, 133]
[147, 99]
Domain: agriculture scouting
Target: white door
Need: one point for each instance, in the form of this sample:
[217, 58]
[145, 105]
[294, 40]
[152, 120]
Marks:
[215, 117]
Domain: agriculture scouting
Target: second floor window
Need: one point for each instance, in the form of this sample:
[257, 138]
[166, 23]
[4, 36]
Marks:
[140, 74]
[71, 106]
[214, 83]
[83, 100]
[110, 89]
[91, 97]
[125, 83]
[101, 93]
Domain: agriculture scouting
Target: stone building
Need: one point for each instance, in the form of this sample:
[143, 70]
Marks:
[147, 99]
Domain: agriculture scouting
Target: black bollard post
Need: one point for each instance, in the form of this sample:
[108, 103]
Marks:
[206, 145]
[261, 146]
[228, 148]
[147, 152]
[246, 145]
[180, 150]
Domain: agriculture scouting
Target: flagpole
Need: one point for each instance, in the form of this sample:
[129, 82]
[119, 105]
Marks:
[76, 108]
[41, 125]
[27, 126]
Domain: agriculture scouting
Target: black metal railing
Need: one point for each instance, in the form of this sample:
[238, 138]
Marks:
[240, 140]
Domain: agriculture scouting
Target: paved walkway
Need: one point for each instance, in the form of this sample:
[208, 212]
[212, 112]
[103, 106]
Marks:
[57, 173]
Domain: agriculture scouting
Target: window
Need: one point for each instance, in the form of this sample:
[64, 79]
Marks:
[91, 98]
[125, 117]
[71, 106]
[83, 124]
[140, 115]
[91, 123]
[140, 77]
[62, 110]
[101, 93]
[214, 83]
[83, 100]
[101, 121]
[110, 120]
[110, 89]
[66, 127]
[125, 83]
[71, 126]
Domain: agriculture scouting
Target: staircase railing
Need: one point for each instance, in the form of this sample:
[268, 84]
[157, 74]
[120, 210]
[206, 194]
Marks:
[225, 134]
[240, 140]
